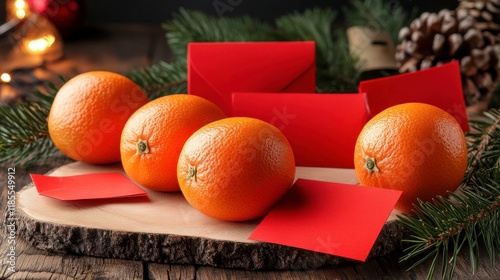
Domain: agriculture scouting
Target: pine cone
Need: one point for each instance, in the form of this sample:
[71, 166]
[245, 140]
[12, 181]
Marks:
[486, 13]
[433, 39]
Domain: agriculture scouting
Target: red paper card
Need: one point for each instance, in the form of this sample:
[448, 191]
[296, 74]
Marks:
[216, 69]
[321, 128]
[332, 218]
[440, 86]
[86, 186]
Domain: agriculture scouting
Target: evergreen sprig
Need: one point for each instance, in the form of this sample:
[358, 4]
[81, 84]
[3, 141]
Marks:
[387, 16]
[193, 26]
[335, 67]
[484, 148]
[24, 134]
[162, 78]
[468, 218]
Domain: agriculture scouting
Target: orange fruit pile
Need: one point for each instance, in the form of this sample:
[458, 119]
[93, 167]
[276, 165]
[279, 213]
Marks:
[88, 114]
[236, 168]
[153, 137]
[414, 147]
[232, 169]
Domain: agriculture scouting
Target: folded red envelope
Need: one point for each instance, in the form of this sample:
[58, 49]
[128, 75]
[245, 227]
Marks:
[321, 128]
[87, 186]
[215, 70]
[339, 219]
[440, 86]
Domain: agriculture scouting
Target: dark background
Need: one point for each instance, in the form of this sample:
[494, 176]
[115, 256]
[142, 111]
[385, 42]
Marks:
[155, 11]
[158, 11]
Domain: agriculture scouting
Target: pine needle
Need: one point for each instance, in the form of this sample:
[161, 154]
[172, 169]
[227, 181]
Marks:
[336, 71]
[468, 216]
[192, 26]
[24, 134]
[162, 78]
[379, 15]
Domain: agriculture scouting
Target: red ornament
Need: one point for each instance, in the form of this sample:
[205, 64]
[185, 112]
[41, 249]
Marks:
[66, 15]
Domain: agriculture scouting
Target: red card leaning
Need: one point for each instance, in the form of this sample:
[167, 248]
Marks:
[215, 70]
[86, 186]
[321, 128]
[440, 86]
[332, 218]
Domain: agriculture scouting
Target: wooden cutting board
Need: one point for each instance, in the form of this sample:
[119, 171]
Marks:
[165, 228]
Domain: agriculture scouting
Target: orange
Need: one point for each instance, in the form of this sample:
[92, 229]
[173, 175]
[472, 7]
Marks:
[153, 137]
[414, 147]
[88, 114]
[236, 169]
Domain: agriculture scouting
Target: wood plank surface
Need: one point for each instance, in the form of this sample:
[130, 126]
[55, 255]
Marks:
[32, 263]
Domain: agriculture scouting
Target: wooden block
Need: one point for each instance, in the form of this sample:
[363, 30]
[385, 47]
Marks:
[166, 229]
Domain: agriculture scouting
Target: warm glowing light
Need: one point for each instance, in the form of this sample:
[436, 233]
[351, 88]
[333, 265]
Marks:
[20, 4]
[40, 45]
[20, 14]
[5, 77]
[20, 9]
[37, 36]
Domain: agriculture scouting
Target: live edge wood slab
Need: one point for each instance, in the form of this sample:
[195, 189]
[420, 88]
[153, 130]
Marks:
[164, 228]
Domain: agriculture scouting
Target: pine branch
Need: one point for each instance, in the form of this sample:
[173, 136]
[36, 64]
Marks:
[494, 102]
[162, 78]
[192, 26]
[441, 229]
[379, 15]
[484, 130]
[313, 25]
[336, 71]
[24, 134]
[345, 76]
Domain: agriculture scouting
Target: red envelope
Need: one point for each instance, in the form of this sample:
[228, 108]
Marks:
[440, 86]
[215, 70]
[321, 128]
[332, 218]
[86, 186]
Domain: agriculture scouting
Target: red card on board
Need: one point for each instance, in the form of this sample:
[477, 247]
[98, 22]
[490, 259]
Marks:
[215, 70]
[332, 218]
[440, 86]
[321, 128]
[86, 186]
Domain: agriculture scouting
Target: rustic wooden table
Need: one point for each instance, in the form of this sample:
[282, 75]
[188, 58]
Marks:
[120, 48]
